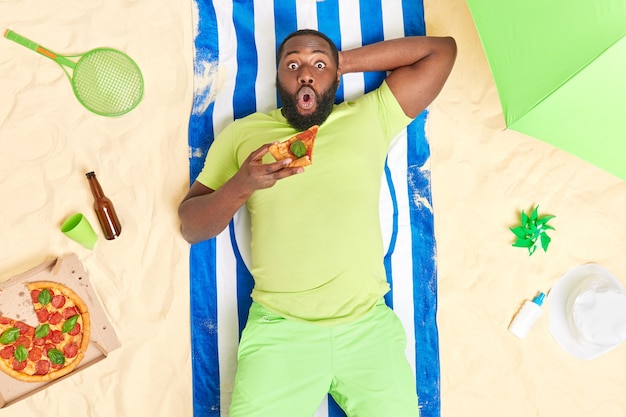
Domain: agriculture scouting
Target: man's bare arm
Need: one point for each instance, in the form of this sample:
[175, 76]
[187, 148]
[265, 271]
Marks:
[419, 67]
[204, 212]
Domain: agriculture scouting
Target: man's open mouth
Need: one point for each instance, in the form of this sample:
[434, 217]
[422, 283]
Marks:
[306, 98]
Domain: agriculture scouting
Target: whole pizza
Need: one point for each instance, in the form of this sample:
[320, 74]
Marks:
[56, 345]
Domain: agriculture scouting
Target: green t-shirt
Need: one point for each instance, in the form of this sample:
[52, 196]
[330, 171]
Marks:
[316, 244]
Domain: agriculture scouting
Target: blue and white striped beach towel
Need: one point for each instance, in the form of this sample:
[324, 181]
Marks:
[235, 48]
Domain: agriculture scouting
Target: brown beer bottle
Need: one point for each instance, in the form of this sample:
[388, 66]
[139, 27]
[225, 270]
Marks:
[104, 209]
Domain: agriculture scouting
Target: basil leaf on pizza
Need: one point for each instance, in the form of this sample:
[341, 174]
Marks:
[21, 353]
[299, 148]
[42, 330]
[9, 335]
[56, 356]
[70, 324]
[44, 297]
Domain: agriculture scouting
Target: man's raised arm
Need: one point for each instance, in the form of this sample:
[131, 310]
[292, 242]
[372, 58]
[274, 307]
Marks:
[419, 67]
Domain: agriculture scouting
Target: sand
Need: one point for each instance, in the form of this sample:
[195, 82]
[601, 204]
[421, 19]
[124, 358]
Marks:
[482, 177]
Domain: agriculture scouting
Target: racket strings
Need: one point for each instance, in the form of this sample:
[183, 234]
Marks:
[107, 82]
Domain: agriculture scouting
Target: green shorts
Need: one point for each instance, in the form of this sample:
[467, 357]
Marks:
[286, 368]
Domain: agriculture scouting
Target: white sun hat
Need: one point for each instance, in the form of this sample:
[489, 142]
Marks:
[588, 311]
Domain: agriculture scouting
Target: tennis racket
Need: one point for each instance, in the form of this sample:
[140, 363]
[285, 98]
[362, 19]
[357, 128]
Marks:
[106, 81]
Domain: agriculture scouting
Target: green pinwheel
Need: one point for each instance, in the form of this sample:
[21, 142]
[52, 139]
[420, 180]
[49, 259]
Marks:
[532, 231]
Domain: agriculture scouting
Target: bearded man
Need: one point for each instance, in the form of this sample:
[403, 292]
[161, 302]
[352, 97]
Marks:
[318, 323]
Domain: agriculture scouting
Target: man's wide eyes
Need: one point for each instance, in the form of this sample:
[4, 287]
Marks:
[294, 66]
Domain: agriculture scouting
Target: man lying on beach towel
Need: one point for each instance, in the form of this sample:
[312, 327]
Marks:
[318, 323]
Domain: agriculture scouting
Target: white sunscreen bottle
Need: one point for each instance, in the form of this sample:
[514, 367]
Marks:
[526, 316]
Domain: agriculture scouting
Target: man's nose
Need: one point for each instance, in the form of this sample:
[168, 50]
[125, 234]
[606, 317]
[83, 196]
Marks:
[305, 76]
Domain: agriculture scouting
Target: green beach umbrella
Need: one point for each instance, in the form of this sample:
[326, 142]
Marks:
[560, 70]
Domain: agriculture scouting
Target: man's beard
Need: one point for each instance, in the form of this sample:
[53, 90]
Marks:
[324, 103]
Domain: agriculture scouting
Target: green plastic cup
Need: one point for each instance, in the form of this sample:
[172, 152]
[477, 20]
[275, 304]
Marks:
[78, 228]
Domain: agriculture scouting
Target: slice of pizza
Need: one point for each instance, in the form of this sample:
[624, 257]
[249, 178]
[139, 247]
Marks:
[56, 346]
[298, 147]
